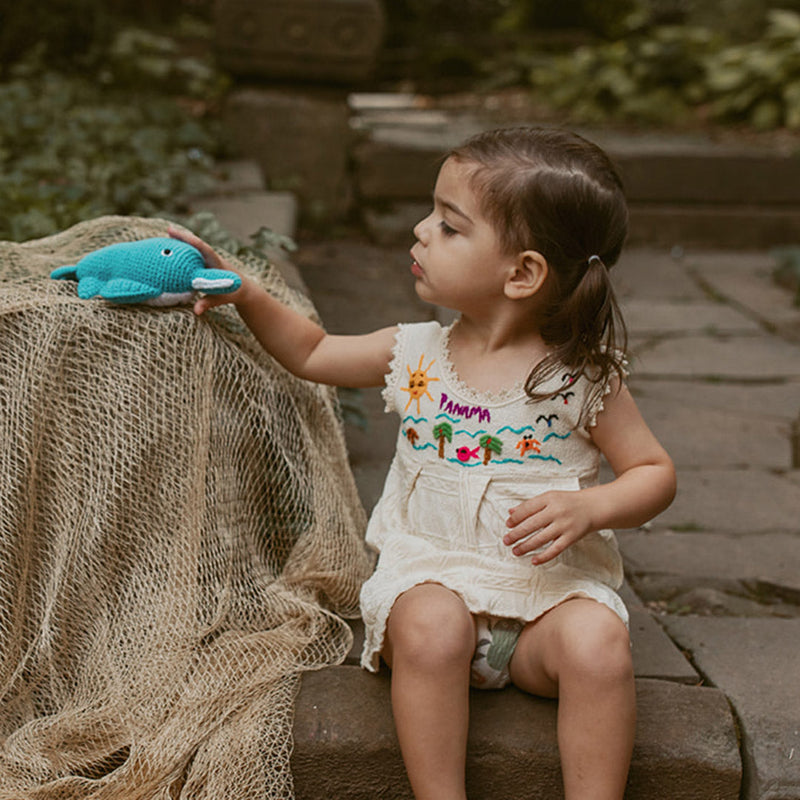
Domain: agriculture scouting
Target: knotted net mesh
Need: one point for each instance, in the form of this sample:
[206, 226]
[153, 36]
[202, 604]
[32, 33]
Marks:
[177, 525]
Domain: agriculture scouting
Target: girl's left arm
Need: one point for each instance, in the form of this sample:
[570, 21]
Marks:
[643, 487]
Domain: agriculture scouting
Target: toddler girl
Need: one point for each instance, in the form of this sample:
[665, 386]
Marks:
[496, 563]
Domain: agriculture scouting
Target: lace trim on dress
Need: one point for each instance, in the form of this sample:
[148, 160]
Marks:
[597, 399]
[464, 390]
[387, 393]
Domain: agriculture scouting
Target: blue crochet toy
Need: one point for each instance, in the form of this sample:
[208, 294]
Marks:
[158, 272]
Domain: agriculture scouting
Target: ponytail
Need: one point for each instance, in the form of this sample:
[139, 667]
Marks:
[585, 332]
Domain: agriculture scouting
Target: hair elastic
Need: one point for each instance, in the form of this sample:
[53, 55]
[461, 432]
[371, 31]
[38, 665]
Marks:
[596, 260]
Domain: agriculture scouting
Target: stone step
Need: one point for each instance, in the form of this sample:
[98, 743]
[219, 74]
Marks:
[345, 745]
[686, 745]
[684, 191]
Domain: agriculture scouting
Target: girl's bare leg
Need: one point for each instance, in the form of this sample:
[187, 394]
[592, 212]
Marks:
[580, 653]
[430, 640]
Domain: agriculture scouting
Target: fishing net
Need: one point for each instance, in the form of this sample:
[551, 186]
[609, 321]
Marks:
[177, 526]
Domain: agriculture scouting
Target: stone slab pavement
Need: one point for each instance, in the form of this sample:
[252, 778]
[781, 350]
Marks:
[716, 371]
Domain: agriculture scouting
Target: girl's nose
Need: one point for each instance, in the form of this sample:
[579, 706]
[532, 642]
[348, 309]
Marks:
[421, 229]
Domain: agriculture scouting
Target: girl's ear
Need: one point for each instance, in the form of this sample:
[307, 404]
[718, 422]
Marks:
[528, 276]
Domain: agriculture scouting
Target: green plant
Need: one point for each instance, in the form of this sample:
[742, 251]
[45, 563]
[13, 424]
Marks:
[664, 73]
[73, 148]
[651, 75]
[138, 57]
[759, 82]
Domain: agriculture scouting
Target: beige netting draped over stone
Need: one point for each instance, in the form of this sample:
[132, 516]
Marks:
[177, 520]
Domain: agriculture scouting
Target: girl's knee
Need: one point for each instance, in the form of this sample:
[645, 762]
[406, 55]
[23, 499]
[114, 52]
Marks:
[431, 626]
[597, 647]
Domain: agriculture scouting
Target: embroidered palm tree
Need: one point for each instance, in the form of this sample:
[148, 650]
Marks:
[442, 431]
[490, 444]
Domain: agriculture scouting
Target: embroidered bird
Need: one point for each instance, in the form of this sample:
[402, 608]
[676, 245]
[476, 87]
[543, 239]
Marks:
[159, 272]
[465, 454]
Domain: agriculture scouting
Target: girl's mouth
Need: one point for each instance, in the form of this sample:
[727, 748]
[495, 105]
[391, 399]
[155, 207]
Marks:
[416, 269]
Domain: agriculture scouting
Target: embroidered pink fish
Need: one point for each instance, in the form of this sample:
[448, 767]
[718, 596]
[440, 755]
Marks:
[465, 454]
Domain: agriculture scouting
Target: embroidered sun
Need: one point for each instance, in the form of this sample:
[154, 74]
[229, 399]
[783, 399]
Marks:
[418, 383]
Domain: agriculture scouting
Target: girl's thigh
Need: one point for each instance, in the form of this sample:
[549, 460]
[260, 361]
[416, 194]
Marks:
[578, 637]
[429, 620]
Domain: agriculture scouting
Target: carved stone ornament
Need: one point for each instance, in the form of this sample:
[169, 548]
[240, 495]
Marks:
[309, 40]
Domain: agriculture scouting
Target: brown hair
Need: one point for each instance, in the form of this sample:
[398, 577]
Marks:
[553, 191]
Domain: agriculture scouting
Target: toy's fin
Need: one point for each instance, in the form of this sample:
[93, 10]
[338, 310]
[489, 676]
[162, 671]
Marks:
[216, 281]
[68, 273]
[89, 287]
[124, 290]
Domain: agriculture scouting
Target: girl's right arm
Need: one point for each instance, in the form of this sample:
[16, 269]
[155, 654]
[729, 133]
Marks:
[296, 342]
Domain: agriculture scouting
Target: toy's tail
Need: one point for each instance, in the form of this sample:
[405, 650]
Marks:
[68, 273]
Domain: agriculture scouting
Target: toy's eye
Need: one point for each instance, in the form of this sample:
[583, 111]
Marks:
[166, 252]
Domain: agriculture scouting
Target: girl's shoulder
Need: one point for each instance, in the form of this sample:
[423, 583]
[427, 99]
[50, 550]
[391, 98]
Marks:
[414, 342]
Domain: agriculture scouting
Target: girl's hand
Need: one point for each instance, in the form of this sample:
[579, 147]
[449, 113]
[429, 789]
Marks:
[214, 261]
[557, 519]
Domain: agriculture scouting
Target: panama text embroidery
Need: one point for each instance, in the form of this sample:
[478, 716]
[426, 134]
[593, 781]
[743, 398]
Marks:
[464, 411]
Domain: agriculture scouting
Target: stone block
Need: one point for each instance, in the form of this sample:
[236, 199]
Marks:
[396, 172]
[754, 661]
[649, 274]
[681, 192]
[698, 225]
[733, 501]
[779, 400]
[312, 40]
[654, 317]
[717, 357]
[245, 213]
[747, 284]
[346, 747]
[300, 139]
[695, 427]
[654, 653]
[767, 559]
[709, 174]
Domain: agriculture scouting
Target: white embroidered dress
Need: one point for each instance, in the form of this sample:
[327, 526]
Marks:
[463, 460]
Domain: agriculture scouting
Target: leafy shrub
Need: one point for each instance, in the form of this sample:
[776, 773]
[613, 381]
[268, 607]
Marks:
[74, 33]
[759, 81]
[652, 75]
[72, 148]
[664, 73]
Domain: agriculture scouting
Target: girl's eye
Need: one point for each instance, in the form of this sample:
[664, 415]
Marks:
[446, 229]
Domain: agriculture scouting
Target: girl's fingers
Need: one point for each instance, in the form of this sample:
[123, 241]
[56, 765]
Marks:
[524, 522]
[538, 538]
[556, 547]
[211, 258]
